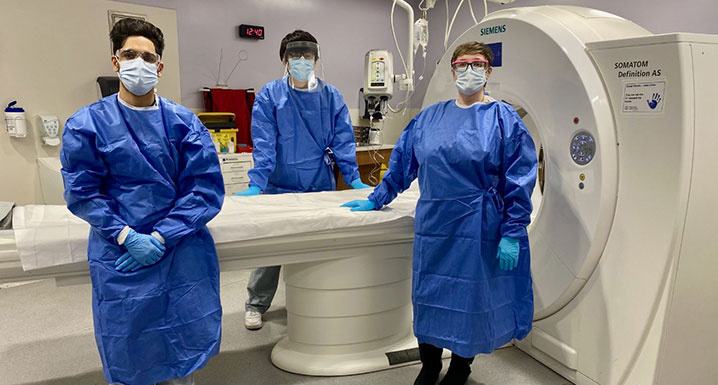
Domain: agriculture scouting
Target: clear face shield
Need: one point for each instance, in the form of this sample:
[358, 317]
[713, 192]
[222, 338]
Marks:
[302, 61]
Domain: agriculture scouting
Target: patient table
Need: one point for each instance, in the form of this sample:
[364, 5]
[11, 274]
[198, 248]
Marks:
[347, 274]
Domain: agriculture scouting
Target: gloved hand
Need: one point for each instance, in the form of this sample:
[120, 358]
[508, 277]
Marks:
[252, 190]
[127, 264]
[360, 205]
[357, 184]
[508, 254]
[144, 248]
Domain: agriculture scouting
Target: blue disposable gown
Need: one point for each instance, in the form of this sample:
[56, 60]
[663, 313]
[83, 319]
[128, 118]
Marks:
[294, 132]
[152, 169]
[476, 168]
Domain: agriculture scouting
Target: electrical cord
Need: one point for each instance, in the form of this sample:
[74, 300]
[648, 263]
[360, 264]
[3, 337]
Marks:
[403, 63]
[374, 155]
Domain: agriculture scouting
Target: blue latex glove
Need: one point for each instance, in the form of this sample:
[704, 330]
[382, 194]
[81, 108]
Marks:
[252, 190]
[357, 184]
[360, 205]
[127, 264]
[144, 248]
[508, 254]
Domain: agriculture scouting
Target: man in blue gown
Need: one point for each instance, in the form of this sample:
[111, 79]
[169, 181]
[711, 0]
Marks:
[300, 127]
[143, 172]
[476, 165]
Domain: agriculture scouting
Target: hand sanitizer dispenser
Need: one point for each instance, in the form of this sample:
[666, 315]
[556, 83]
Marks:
[15, 120]
[51, 128]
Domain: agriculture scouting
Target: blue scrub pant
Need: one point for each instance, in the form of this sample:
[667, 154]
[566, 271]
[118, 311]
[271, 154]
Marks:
[261, 287]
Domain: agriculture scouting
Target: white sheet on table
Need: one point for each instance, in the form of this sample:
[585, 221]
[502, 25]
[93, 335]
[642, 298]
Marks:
[51, 235]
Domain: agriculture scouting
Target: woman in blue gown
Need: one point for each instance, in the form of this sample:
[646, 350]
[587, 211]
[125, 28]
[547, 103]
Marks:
[476, 165]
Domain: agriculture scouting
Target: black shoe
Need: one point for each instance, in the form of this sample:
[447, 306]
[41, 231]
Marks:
[430, 364]
[428, 375]
[455, 377]
[459, 371]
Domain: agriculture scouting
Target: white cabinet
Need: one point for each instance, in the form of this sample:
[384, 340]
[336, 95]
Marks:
[234, 171]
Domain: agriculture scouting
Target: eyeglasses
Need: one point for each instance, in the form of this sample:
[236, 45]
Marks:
[297, 55]
[131, 54]
[462, 65]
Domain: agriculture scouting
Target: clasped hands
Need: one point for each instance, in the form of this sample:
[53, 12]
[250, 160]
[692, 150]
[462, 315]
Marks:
[142, 250]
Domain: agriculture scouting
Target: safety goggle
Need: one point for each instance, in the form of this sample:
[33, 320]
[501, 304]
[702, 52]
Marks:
[462, 65]
[131, 54]
[306, 49]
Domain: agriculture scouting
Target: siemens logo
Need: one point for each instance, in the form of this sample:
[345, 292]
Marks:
[493, 30]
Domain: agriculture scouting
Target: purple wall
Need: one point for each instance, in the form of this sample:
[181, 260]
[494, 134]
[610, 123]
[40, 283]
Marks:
[346, 29]
[657, 16]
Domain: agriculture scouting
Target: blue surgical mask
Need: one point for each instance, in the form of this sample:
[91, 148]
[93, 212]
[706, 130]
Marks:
[471, 80]
[138, 76]
[301, 69]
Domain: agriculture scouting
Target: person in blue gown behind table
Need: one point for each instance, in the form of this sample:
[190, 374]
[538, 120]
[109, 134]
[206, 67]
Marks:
[143, 172]
[300, 127]
[476, 165]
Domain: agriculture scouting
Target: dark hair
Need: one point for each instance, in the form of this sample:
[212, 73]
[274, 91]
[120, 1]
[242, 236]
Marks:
[297, 35]
[134, 27]
[473, 47]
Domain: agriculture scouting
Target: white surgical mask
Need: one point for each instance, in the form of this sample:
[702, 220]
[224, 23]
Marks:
[471, 80]
[138, 76]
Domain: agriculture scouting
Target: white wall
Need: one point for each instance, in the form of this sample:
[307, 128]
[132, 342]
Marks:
[51, 52]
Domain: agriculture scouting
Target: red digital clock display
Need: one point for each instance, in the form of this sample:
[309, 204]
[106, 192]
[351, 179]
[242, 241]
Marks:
[251, 31]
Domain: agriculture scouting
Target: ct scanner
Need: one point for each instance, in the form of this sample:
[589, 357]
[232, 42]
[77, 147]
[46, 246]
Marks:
[625, 289]
[622, 240]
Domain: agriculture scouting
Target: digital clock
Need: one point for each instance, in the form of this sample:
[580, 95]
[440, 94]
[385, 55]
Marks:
[251, 31]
